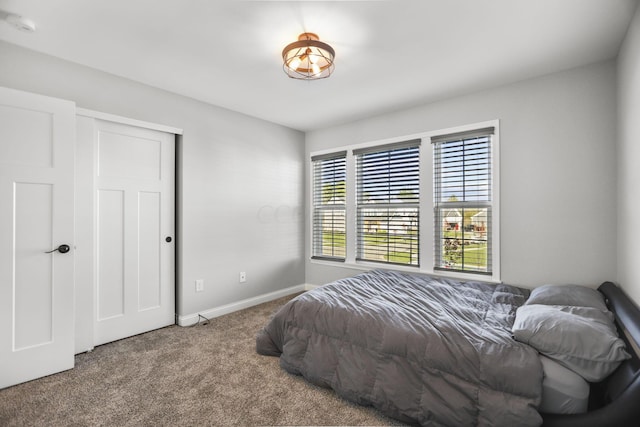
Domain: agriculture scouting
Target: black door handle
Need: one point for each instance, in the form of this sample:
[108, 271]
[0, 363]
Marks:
[63, 249]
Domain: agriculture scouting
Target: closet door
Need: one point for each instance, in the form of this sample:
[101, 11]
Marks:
[135, 247]
[37, 136]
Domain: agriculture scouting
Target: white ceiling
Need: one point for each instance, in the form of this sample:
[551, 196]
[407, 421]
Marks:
[389, 54]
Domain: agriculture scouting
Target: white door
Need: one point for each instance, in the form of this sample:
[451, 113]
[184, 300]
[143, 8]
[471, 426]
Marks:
[36, 216]
[135, 246]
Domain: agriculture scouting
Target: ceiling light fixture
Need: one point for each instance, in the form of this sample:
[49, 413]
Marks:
[308, 58]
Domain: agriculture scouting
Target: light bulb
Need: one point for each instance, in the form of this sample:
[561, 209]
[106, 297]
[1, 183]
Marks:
[295, 63]
[315, 68]
[313, 57]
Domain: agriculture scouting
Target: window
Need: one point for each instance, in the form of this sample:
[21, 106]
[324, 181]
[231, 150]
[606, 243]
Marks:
[388, 203]
[463, 202]
[329, 206]
[432, 208]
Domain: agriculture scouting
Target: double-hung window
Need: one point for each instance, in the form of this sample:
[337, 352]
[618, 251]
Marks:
[388, 203]
[463, 201]
[329, 206]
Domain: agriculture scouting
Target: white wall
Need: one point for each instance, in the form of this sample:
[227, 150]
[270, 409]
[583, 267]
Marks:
[241, 179]
[629, 161]
[557, 167]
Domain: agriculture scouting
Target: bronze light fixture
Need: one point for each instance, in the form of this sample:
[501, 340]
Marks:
[308, 58]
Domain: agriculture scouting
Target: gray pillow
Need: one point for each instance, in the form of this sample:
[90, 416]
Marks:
[583, 339]
[570, 295]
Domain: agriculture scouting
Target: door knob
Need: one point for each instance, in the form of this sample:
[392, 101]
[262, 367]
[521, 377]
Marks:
[63, 249]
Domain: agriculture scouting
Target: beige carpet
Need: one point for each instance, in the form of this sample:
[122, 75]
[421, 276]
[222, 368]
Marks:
[204, 375]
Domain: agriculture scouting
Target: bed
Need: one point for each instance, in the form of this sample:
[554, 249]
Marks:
[614, 401]
[435, 351]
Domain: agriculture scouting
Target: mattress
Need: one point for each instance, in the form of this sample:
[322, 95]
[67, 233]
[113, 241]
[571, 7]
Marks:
[563, 391]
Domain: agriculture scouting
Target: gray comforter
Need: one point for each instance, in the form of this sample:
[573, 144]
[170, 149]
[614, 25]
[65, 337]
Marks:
[420, 349]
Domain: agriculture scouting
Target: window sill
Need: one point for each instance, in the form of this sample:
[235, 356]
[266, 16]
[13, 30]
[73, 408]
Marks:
[366, 266]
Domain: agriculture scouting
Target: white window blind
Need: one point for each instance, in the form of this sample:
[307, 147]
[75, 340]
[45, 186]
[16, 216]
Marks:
[329, 206]
[388, 203]
[463, 203]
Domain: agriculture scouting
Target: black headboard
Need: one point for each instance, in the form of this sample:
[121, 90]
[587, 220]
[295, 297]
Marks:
[616, 400]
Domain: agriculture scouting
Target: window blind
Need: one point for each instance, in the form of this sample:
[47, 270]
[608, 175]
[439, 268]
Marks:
[387, 203]
[329, 206]
[463, 201]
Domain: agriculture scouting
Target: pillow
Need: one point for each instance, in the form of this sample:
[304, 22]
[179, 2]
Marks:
[571, 295]
[583, 339]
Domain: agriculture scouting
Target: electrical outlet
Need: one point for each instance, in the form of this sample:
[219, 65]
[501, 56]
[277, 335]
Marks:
[199, 285]
[243, 276]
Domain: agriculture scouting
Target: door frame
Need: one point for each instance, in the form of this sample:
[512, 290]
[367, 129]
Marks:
[86, 166]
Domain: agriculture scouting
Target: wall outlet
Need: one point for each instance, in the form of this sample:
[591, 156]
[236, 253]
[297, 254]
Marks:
[199, 285]
[243, 276]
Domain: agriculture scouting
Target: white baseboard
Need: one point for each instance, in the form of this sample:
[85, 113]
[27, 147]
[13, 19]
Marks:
[191, 319]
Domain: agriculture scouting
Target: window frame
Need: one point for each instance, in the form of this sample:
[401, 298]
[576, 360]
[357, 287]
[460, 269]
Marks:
[458, 174]
[322, 208]
[426, 217]
[387, 159]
